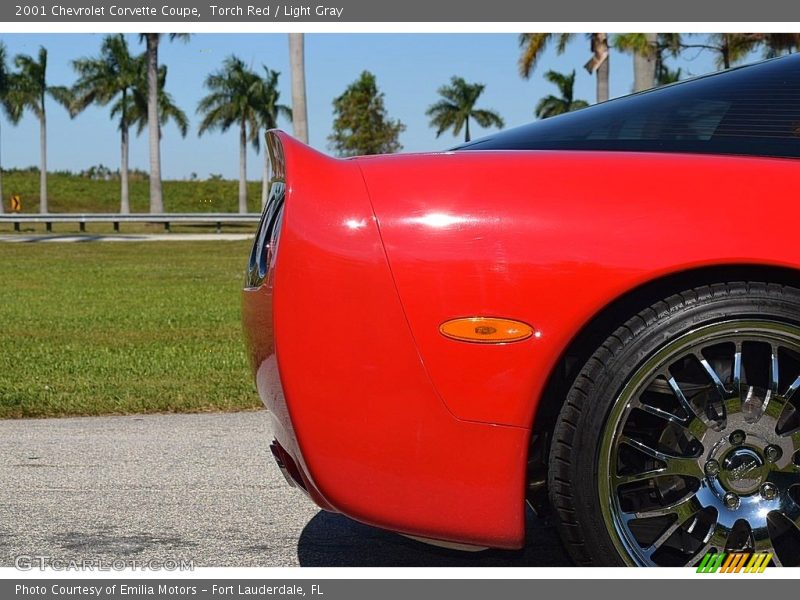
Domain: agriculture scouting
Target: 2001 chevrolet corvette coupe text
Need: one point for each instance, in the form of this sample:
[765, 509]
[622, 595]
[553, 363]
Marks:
[598, 313]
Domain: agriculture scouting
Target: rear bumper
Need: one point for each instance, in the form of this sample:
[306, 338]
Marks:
[398, 460]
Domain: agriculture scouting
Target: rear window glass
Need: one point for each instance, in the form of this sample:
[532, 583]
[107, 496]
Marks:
[753, 110]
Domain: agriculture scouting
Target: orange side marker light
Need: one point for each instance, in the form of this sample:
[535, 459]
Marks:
[487, 330]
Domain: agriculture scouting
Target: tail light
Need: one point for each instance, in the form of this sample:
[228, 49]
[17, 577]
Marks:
[263, 254]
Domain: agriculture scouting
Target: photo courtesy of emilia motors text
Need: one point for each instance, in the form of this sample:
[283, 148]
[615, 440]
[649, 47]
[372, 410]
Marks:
[357, 299]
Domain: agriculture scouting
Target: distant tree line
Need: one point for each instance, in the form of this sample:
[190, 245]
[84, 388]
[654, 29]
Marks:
[133, 87]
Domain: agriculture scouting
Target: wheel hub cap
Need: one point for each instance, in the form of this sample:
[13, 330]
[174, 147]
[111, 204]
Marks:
[743, 471]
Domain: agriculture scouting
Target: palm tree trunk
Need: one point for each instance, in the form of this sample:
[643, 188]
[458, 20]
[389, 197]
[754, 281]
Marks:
[726, 51]
[43, 161]
[659, 67]
[601, 47]
[243, 168]
[466, 130]
[298, 69]
[2, 200]
[124, 201]
[644, 65]
[156, 200]
[264, 179]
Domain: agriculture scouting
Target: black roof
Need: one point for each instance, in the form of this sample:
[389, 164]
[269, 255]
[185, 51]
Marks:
[750, 110]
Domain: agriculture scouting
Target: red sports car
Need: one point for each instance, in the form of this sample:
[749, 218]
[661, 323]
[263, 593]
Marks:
[598, 314]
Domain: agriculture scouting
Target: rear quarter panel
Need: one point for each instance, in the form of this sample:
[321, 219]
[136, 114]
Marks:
[550, 238]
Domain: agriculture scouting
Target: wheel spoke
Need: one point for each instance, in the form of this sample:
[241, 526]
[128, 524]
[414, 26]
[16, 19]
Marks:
[684, 508]
[791, 510]
[718, 385]
[674, 464]
[795, 437]
[773, 371]
[698, 422]
[661, 414]
[665, 535]
[762, 543]
[636, 477]
[663, 455]
[792, 389]
[734, 403]
[643, 448]
[773, 404]
[717, 537]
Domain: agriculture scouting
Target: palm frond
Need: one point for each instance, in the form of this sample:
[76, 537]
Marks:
[551, 106]
[457, 105]
[533, 46]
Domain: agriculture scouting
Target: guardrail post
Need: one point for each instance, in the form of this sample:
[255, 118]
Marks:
[116, 226]
[166, 226]
[219, 227]
[83, 226]
[49, 227]
[16, 226]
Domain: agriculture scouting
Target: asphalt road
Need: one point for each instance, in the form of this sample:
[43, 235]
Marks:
[78, 238]
[200, 487]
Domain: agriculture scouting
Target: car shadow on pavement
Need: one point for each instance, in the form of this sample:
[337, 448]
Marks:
[333, 540]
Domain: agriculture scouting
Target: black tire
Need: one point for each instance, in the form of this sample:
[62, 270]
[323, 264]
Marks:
[575, 448]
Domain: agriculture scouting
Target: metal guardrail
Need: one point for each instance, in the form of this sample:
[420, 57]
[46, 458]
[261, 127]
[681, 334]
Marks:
[165, 218]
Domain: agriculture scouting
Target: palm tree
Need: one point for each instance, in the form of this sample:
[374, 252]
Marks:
[643, 48]
[298, 71]
[550, 106]
[112, 75]
[534, 45]
[667, 44]
[648, 51]
[138, 105]
[776, 44]
[457, 106]
[152, 41]
[268, 109]
[730, 48]
[600, 63]
[665, 75]
[5, 106]
[233, 99]
[29, 90]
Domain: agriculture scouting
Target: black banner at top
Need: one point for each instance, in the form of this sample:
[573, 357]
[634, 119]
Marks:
[441, 11]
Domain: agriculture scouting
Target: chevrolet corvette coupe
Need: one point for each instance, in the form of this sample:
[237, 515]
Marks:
[597, 313]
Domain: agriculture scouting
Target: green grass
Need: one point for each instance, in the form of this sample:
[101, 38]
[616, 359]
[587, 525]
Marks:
[121, 328]
[71, 193]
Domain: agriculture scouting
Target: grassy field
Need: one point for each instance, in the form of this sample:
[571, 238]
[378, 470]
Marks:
[71, 193]
[122, 328]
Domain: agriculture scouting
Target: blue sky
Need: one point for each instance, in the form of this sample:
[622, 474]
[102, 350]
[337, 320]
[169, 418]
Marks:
[409, 69]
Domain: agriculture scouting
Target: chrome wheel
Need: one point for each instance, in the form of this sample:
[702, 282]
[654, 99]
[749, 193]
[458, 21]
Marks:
[701, 450]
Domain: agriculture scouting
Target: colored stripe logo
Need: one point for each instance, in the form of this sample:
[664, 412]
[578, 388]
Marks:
[734, 562]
